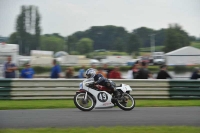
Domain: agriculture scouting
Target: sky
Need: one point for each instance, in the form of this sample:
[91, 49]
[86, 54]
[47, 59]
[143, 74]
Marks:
[68, 16]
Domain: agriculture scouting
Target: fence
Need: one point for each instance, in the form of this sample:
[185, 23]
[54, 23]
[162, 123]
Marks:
[66, 88]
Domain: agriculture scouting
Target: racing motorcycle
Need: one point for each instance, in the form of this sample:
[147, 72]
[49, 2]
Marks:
[96, 96]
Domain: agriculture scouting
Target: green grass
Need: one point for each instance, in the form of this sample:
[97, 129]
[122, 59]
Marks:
[167, 103]
[50, 104]
[116, 129]
[35, 104]
[106, 53]
[148, 49]
[196, 44]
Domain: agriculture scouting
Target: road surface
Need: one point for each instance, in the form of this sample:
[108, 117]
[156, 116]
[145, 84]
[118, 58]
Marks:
[140, 116]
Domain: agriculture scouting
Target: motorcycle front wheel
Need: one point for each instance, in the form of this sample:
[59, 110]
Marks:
[126, 102]
[84, 105]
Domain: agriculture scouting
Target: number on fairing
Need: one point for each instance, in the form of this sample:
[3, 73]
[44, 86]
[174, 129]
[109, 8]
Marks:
[102, 97]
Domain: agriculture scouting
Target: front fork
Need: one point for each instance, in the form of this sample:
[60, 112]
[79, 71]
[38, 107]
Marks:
[85, 97]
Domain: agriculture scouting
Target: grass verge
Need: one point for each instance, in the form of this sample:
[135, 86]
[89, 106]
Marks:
[117, 129]
[195, 44]
[148, 49]
[50, 104]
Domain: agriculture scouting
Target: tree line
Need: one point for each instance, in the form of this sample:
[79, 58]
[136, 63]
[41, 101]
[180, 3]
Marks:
[113, 38]
[28, 31]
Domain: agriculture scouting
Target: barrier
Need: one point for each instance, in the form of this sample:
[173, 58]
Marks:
[66, 88]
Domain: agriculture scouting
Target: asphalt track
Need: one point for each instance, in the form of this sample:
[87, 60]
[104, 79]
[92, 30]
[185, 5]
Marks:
[140, 116]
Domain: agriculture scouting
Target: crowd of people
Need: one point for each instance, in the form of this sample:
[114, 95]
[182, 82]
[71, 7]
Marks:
[138, 71]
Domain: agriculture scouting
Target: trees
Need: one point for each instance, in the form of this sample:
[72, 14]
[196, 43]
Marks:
[13, 38]
[52, 43]
[144, 33]
[119, 45]
[117, 38]
[28, 29]
[21, 30]
[71, 43]
[192, 38]
[133, 44]
[37, 30]
[176, 38]
[105, 37]
[160, 36]
[85, 45]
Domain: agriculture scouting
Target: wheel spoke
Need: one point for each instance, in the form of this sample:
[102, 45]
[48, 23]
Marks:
[86, 104]
[126, 101]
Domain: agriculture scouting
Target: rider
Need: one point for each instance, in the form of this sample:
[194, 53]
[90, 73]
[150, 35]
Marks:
[99, 79]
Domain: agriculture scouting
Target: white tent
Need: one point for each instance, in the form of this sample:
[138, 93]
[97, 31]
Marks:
[116, 60]
[183, 56]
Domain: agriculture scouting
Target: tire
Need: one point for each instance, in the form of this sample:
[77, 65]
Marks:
[80, 102]
[122, 104]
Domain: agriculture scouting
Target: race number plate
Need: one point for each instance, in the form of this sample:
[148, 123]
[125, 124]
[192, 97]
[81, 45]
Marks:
[102, 97]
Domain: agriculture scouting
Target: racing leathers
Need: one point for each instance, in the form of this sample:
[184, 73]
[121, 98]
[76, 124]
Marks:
[99, 79]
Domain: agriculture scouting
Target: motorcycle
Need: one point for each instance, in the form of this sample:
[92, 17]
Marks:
[96, 96]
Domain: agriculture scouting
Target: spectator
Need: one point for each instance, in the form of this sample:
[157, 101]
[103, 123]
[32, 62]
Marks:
[163, 74]
[115, 73]
[69, 73]
[143, 72]
[27, 72]
[81, 72]
[10, 68]
[135, 70]
[100, 71]
[130, 73]
[106, 69]
[56, 70]
[196, 73]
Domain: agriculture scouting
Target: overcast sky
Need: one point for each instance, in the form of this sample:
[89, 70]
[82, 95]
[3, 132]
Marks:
[68, 16]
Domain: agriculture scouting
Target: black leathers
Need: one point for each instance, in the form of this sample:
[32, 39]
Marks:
[99, 79]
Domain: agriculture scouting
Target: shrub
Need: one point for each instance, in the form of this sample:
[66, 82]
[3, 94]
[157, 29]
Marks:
[40, 69]
[74, 53]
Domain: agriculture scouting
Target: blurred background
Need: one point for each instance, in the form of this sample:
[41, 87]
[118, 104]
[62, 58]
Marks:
[119, 34]
[113, 32]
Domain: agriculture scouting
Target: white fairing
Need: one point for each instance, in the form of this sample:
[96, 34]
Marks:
[124, 88]
[103, 98]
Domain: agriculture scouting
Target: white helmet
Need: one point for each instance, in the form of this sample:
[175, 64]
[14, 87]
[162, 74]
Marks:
[90, 73]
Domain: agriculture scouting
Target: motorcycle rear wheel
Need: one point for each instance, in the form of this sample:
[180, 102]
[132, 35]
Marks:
[126, 102]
